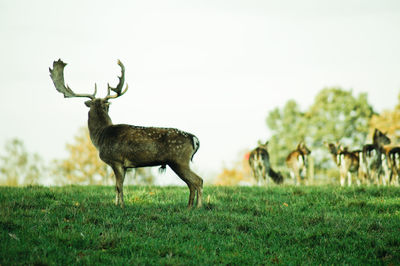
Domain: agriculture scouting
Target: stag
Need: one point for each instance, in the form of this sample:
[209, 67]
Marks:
[124, 146]
[347, 161]
[374, 157]
[261, 167]
[296, 161]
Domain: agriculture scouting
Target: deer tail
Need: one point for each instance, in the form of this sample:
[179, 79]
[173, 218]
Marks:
[162, 169]
[276, 176]
[196, 145]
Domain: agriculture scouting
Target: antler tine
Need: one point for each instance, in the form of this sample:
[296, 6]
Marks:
[57, 75]
[95, 89]
[118, 89]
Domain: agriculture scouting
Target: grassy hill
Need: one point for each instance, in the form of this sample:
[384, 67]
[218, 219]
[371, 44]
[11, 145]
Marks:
[237, 225]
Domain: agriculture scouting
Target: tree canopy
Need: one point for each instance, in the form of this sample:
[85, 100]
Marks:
[389, 122]
[18, 166]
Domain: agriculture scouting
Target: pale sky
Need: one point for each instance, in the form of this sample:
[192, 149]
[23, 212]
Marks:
[212, 68]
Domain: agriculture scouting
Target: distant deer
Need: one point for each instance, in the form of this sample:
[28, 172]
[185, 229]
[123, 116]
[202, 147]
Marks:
[126, 146]
[373, 155]
[347, 161]
[296, 161]
[390, 164]
[261, 167]
[394, 156]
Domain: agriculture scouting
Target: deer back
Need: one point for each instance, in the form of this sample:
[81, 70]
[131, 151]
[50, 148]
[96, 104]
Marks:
[259, 154]
[135, 146]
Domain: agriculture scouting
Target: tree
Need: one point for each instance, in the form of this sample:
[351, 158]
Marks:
[335, 115]
[289, 127]
[238, 174]
[389, 122]
[18, 167]
[83, 166]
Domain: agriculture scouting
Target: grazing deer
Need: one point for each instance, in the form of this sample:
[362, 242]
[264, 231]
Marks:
[347, 161]
[261, 167]
[126, 146]
[374, 157]
[296, 161]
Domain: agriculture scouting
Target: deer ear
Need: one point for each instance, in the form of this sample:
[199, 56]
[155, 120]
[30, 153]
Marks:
[88, 103]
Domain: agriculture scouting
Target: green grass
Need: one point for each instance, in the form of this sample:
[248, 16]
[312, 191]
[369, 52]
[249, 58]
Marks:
[239, 225]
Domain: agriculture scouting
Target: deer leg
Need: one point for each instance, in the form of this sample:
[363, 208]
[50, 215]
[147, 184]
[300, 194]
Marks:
[358, 180]
[348, 179]
[258, 175]
[193, 181]
[119, 172]
[390, 178]
[342, 179]
[191, 195]
[199, 193]
[298, 177]
[374, 177]
[360, 177]
[198, 184]
[396, 174]
[266, 177]
[381, 178]
[292, 176]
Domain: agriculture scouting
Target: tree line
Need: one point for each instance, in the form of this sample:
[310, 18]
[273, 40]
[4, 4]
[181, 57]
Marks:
[335, 115]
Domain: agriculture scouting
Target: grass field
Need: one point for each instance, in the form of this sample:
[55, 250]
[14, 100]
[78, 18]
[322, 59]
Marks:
[237, 225]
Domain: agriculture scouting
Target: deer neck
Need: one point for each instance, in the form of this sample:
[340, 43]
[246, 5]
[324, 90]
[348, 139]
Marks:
[97, 121]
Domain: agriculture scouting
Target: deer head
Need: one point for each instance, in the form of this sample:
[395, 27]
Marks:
[332, 147]
[303, 148]
[98, 113]
[380, 138]
[263, 145]
[57, 75]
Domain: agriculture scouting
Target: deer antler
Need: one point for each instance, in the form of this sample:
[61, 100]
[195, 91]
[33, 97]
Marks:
[57, 75]
[118, 89]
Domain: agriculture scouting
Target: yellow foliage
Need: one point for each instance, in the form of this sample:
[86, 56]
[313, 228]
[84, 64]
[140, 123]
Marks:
[83, 165]
[388, 122]
[240, 173]
[18, 166]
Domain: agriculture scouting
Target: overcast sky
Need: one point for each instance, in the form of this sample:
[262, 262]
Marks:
[212, 68]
